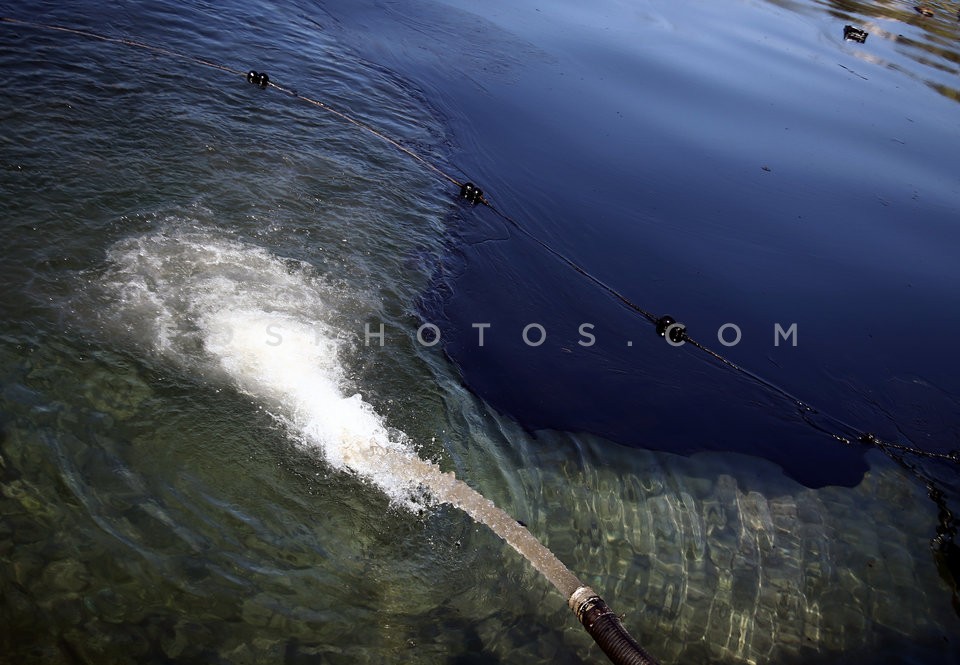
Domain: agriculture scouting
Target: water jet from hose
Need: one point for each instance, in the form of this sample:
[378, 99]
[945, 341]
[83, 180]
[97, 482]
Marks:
[245, 316]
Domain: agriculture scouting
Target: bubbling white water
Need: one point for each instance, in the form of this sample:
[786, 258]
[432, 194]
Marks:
[238, 313]
[234, 311]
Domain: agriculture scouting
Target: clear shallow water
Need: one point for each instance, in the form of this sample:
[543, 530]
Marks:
[156, 509]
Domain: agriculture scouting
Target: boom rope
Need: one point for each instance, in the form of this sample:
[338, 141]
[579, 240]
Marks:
[261, 79]
[471, 193]
[600, 622]
[678, 335]
[666, 326]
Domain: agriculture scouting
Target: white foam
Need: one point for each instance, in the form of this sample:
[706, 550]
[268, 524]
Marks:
[234, 311]
[226, 308]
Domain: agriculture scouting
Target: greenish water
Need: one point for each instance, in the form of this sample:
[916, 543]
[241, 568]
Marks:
[182, 482]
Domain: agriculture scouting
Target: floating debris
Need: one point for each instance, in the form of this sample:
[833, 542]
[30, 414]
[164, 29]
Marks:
[852, 34]
[923, 10]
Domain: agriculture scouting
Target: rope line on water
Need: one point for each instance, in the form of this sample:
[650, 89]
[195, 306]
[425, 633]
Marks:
[600, 622]
[666, 327]
[372, 130]
[123, 41]
[252, 76]
[677, 333]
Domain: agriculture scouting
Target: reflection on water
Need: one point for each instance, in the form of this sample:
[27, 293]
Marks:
[150, 513]
[925, 33]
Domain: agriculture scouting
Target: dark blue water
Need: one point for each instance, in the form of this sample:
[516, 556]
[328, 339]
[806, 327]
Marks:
[720, 163]
[728, 164]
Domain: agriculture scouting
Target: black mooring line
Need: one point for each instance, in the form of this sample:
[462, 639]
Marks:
[680, 335]
[666, 326]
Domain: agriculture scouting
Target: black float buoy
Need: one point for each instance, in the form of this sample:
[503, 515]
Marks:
[869, 439]
[471, 193]
[667, 325]
[258, 78]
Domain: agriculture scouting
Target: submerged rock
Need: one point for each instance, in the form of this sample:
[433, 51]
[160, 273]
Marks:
[67, 575]
[116, 393]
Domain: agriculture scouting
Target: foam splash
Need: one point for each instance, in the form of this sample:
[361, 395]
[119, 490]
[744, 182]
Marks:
[236, 312]
[261, 323]
[285, 362]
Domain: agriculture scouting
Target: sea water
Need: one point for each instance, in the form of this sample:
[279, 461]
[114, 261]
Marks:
[198, 432]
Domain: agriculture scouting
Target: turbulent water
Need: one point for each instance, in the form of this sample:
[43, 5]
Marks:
[207, 455]
[235, 310]
[261, 324]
